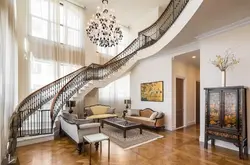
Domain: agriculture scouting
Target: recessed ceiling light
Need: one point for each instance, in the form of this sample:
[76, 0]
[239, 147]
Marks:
[193, 56]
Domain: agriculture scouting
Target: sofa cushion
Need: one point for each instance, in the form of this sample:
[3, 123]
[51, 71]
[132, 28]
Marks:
[141, 120]
[134, 112]
[102, 116]
[89, 125]
[159, 115]
[111, 111]
[153, 116]
[82, 121]
[89, 112]
[99, 109]
[69, 117]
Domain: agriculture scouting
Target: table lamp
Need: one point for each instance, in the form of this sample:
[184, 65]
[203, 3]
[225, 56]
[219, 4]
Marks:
[127, 102]
[70, 104]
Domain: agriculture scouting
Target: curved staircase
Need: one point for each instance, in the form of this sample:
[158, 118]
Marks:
[79, 83]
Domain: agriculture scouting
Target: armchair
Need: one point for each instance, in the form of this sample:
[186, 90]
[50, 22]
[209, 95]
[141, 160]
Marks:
[77, 128]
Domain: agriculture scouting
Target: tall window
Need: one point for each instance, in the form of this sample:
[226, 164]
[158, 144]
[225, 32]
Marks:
[44, 69]
[54, 21]
[65, 69]
[49, 71]
[115, 93]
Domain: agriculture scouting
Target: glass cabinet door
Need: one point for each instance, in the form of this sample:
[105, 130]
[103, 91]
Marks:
[214, 109]
[230, 109]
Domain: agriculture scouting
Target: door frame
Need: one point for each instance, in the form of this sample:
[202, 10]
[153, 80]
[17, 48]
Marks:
[184, 103]
[195, 101]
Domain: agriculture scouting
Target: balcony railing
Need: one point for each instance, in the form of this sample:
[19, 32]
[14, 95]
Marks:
[38, 123]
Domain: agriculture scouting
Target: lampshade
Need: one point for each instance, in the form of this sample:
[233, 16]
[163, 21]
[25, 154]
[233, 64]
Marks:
[70, 103]
[127, 101]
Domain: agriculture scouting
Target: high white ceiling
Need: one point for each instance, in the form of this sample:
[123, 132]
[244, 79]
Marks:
[127, 11]
[212, 14]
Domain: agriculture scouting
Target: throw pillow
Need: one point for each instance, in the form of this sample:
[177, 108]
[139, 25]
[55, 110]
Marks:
[159, 115]
[82, 121]
[111, 111]
[69, 117]
[135, 112]
[89, 112]
[153, 115]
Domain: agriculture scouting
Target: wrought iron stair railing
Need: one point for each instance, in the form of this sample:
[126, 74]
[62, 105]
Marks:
[92, 72]
[64, 88]
[36, 100]
[145, 39]
[154, 32]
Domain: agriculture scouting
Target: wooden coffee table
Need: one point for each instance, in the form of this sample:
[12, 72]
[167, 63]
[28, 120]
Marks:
[122, 124]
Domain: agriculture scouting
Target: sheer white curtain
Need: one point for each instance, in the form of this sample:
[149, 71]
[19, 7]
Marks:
[55, 31]
[115, 93]
[8, 69]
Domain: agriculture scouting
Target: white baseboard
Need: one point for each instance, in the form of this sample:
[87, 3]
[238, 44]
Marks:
[191, 123]
[24, 141]
[186, 125]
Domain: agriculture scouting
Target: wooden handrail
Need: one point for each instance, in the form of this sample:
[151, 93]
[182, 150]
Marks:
[61, 90]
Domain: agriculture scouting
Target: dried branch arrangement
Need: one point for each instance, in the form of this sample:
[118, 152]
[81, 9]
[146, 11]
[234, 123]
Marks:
[223, 63]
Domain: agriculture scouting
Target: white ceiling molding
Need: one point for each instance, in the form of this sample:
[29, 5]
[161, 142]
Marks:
[226, 28]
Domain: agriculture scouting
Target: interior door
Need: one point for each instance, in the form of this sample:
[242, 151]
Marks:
[179, 102]
[197, 102]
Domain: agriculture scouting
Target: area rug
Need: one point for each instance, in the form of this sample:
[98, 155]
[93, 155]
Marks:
[134, 138]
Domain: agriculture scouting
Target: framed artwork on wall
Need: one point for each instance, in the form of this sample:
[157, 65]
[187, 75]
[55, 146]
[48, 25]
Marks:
[152, 91]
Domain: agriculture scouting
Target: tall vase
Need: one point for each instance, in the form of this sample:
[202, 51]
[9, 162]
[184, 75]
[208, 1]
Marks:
[223, 78]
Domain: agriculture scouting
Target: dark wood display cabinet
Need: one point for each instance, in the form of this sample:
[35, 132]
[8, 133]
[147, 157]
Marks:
[226, 117]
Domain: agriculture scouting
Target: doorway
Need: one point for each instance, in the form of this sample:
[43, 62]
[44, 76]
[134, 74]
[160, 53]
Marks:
[197, 102]
[179, 102]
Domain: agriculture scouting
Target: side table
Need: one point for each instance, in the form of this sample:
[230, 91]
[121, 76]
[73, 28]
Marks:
[97, 138]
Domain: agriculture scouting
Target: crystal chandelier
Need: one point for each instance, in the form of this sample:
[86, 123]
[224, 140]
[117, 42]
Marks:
[103, 29]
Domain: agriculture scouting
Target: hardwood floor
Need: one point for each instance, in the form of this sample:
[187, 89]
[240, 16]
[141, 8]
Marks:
[181, 147]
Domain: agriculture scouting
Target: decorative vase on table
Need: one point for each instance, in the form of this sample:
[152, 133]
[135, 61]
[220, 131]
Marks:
[223, 78]
[223, 63]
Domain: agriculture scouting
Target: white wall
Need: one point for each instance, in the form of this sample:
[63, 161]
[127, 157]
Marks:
[190, 74]
[91, 98]
[156, 68]
[239, 41]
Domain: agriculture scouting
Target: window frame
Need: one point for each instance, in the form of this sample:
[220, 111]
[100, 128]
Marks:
[49, 22]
